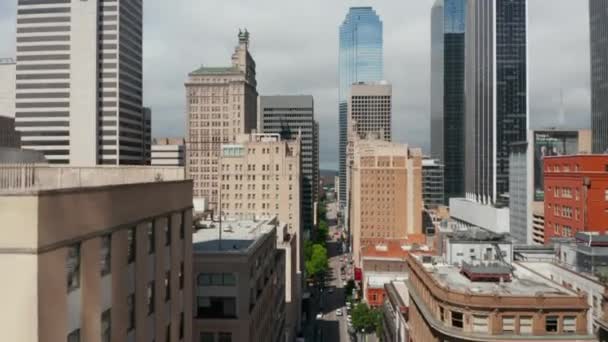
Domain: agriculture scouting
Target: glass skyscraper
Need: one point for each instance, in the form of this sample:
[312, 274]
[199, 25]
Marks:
[598, 32]
[496, 101]
[360, 60]
[448, 19]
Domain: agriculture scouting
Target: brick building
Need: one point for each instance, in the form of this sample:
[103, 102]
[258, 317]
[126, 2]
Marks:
[576, 195]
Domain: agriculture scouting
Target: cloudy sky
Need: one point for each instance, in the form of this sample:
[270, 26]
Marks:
[295, 45]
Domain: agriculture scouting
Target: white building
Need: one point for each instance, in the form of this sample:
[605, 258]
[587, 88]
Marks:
[168, 151]
[476, 245]
[79, 81]
[7, 87]
[470, 213]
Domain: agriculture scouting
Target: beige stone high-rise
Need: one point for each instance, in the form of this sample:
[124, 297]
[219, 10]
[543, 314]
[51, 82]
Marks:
[95, 254]
[222, 104]
[386, 193]
[260, 177]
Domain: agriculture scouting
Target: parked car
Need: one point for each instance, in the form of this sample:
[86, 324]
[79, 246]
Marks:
[338, 312]
[320, 315]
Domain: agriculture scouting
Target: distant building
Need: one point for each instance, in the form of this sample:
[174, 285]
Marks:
[496, 94]
[260, 177]
[386, 193]
[147, 136]
[490, 302]
[526, 173]
[221, 105]
[381, 264]
[7, 88]
[538, 223]
[433, 193]
[448, 22]
[360, 60]
[476, 245]
[9, 137]
[239, 282]
[96, 254]
[395, 312]
[598, 19]
[469, 213]
[369, 110]
[292, 117]
[79, 81]
[576, 195]
[168, 151]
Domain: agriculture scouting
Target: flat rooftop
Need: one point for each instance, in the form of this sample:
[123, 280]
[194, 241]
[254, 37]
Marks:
[31, 178]
[523, 283]
[238, 236]
[378, 279]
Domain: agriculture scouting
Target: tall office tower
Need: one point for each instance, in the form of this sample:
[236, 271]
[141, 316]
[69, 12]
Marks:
[447, 91]
[79, 80]
[496, 80]
[598, 20]
[317, 175]
[386, 200]
[222, 103]
[7, 87]
[115, 266]
[147, 136]
[369, 110]
[360, 60]
[289, 116]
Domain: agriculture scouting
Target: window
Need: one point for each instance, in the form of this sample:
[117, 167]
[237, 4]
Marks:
[131, 312]
[168, 333]
[182, 227]
[132, 242]
[181, 275]
[74, 336]
[106, 326]
[525, 325]
[480, 323]
[441, 313]
[150, 299]
[181, 325]
[106, 254]
[216, 279]
[216, 307]
[457, 319]
[551, 323]
[73, 268]
[167, 285]
[207, 337]
[225, 337]
[151, 238]
[168, 232]
[569, 325]
[508, 324]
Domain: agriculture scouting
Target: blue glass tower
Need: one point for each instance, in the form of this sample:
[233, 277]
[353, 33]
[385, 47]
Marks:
[448, 19]
[360, 60]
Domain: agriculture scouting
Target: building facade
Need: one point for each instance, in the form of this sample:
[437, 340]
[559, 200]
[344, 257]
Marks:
[369, 110]
[7, 87]
[598, 23]
[221, 105]
[293, 117]
[360, 60]
[447, 305]
[147, 135]
[576, 195]
[79, 81]
[526, 173]
[115, 269]
[496, 81]
[538, 223]
[433, 187]
[382, 264]
[168, 151]
[448, 18]
[9, 136]
[238, 277]
[395, 312]
[386, 193]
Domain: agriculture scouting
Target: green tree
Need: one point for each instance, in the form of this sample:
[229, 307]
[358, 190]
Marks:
[318, 263]
[366, 319]
[308, 250]
[322, 232]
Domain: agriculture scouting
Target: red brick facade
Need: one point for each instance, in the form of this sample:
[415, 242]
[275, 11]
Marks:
[576, 195]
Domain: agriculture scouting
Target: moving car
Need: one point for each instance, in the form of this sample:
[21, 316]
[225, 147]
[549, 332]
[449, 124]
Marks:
[338, 312]
[320, 315]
